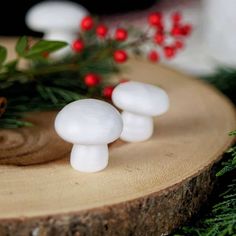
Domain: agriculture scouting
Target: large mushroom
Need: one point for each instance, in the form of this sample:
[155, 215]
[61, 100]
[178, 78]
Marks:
[139, 102]
[58, 20]
[89, 124]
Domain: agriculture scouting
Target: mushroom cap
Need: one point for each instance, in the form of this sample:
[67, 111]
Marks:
[140, 98]
[89, 121]
[55, 15]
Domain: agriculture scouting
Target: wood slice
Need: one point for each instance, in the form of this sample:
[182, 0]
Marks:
[149, 188]
[32, 145]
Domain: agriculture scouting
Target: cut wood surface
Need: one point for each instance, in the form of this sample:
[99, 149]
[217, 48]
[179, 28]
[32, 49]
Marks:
[149, 188]
[34, 145]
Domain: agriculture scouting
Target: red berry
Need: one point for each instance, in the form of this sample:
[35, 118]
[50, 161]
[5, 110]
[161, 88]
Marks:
[179, 44]
[101, 31]
[176, 17]
[153, 56]
[155, 18]
[107, 91]
[121, 34]
[92, 80]
[45, 54]
[176, 31]
[78, 45]
[186, 30]
[159, 38]
[160, 28]
[87, 23]
[169, 52]
[120, 56]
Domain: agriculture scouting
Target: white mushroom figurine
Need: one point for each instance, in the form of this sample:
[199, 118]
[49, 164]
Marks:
[58, 20]
[139, 102]
[89, 124]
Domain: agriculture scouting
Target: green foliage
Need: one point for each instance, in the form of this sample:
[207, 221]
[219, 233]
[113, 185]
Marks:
[220, 220]
[13, 120]
[225, 80]
[43, 46]
[230, 165]
[3, 54]
[21, 45]
[50, 84]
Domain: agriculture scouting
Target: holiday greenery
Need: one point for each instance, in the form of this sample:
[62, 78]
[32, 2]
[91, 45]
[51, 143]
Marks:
[48, 84]
[225, 80]
[220, 220]
[98, 53]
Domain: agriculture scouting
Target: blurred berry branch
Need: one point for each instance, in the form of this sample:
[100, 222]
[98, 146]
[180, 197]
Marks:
[97, 54]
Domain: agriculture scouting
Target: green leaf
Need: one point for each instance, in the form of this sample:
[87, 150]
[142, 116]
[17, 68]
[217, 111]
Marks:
[11, 65]
[21, 45]
[3, 54]
[44, 46]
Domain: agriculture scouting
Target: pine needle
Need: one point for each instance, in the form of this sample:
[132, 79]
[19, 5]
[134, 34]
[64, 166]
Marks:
[220, 220]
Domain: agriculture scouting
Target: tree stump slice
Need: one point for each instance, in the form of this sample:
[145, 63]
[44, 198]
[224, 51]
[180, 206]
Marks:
[149, 188]
[32, 145]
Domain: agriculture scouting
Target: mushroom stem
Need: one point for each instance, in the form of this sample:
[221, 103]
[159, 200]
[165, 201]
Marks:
[89, 158]
[136, 127]
[63, 35]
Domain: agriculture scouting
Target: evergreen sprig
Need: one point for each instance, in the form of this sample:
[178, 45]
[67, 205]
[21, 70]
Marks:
[225, 80]
[49, 84]
[230, 165]
[220, 220]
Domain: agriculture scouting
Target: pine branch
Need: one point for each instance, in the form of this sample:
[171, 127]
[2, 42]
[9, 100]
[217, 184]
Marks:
[47, 84]
[221, 217]
[225, 80]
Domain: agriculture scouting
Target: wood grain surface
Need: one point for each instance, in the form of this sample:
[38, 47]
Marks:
[149, 188]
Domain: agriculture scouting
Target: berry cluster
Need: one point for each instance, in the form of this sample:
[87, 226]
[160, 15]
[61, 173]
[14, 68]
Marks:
[101, 32]
[121, 40]
[169, 40]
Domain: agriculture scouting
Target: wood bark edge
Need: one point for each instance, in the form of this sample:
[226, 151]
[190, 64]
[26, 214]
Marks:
[155, 214]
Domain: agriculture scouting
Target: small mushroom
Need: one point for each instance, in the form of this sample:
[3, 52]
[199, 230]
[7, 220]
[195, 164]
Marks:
[89, 124]
[58, 20]
[139, 102]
